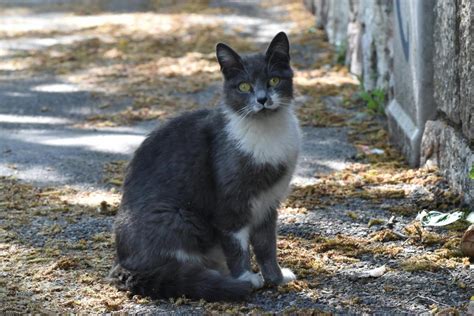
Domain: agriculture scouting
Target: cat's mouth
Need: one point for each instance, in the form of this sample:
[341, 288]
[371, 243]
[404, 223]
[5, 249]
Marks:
[266, 111]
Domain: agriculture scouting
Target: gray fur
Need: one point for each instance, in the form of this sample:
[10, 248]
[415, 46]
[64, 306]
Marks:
[191, 190]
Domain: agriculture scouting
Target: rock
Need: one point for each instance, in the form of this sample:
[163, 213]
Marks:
[372, 273]
[467, 242]
[446, 148]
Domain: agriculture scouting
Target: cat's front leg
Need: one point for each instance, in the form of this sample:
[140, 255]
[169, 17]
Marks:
[236, 250]
[263, 241]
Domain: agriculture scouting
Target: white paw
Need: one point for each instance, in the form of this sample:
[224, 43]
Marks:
[255, 278]
[288, 275]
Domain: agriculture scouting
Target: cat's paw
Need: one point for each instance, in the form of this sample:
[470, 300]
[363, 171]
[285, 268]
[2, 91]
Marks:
[255, 278]
[288, 275]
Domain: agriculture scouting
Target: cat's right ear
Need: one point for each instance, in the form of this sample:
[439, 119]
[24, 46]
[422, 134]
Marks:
[279, 49]
[228, 59]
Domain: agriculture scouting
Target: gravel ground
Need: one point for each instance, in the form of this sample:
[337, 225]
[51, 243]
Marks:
[325, 235]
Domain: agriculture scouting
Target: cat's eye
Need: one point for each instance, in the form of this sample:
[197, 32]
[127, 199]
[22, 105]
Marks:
[245, 87]
[273, 81]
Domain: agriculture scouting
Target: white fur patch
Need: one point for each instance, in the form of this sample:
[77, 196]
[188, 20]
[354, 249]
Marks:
[243, 237]
[274, 139]
[266, 200]
[255, 278]
[288, 275]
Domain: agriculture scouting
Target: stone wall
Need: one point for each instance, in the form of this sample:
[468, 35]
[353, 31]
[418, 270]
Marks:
[453, 79]
[421, 53]
[363, 29]
[448, 139]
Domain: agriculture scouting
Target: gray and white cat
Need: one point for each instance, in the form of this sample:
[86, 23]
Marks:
[206, 186]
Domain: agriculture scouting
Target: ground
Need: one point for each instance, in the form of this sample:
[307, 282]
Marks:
[82, 83]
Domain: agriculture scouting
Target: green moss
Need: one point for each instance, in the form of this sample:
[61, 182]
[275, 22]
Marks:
[419, 264]
[375, 221]
[352, 215]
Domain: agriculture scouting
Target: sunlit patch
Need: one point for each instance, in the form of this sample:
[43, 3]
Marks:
[27, 119]
[103, 143]
[99, 141]
[94, 199]
[14, 64]
[56, 88]
[190, 64]
[319, 77]
[150, 61]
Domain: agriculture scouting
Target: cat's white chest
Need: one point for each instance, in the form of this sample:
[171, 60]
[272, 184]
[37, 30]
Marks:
[274, 140]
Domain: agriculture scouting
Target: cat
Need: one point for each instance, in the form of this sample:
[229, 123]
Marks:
[204, 187]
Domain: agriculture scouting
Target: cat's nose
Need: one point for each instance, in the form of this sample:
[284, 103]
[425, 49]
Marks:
[262, 100]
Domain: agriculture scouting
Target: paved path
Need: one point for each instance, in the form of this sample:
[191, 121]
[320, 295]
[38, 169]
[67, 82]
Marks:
[38, 140]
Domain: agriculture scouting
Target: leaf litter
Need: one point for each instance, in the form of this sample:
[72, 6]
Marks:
[155, 64]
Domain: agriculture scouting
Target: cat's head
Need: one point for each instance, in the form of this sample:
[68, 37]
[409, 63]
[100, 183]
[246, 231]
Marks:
[257, 85]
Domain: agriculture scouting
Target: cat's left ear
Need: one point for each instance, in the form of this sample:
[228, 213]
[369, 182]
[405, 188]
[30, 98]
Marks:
[279, 49]
[228, 59]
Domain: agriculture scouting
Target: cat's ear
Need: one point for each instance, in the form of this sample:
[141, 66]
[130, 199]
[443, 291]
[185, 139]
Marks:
[279, 49]
[228, 58]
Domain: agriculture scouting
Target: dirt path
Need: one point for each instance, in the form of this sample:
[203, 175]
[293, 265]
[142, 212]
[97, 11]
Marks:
[79, 84]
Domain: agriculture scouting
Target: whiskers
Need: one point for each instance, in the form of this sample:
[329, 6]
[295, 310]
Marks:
[243, 113]
[284, 103]
[288, 104]
[281, 101]
[238, 118]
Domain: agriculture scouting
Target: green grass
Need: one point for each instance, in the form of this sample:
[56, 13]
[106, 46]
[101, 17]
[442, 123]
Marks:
[374, 99]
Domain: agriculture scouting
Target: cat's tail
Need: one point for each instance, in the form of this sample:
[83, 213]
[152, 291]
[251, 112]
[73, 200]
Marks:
[177, 279]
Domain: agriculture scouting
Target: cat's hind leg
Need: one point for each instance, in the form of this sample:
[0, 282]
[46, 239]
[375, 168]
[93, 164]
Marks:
[195, 281]
[162, 258]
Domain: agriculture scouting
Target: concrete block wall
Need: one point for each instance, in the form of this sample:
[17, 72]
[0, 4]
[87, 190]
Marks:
[421, 54]
[412, 103]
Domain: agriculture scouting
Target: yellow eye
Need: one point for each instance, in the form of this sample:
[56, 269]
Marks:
[245, 87]
[273, 81]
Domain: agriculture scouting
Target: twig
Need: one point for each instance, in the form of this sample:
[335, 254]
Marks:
[430, 299]
[391, 222]
[400, 234]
